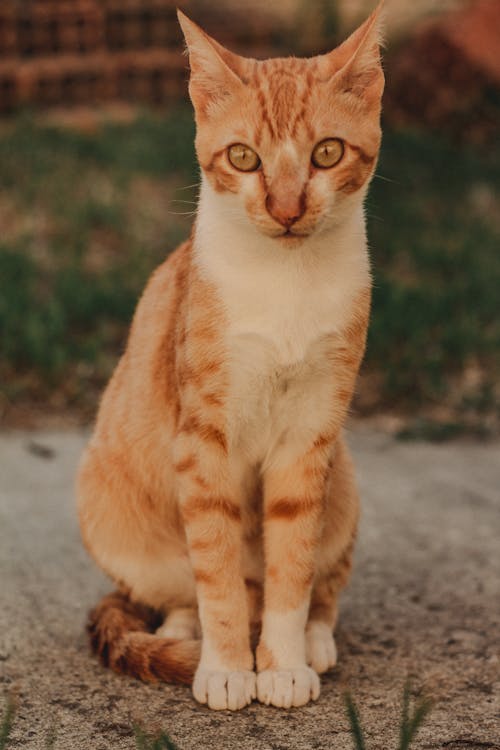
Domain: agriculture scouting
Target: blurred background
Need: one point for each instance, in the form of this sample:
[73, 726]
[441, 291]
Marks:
[98, 183]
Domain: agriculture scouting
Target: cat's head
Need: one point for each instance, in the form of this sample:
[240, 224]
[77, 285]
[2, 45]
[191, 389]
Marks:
[288, 144]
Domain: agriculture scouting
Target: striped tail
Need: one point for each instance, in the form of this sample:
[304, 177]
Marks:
[121, 634]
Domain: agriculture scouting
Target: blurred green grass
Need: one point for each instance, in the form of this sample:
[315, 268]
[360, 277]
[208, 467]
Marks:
[435, 232]
[86, 217]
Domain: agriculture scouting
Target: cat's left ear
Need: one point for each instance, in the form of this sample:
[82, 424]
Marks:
[355, 67]
[217, 75]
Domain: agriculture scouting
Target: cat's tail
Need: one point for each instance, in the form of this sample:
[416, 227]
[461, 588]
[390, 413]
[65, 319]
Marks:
[121, 635]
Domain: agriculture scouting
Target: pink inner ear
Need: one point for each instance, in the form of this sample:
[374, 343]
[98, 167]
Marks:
[214, 70]
[213, 85]
[239, 65]
[200, 43]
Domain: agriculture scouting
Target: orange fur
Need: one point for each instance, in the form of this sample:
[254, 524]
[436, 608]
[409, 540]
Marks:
[185, 498]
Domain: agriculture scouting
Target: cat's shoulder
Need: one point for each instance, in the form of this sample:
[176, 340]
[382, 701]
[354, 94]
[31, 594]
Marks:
[164, 289]
[172, 275]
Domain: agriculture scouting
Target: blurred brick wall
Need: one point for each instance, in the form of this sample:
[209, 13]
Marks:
[69, 52]
[62, 53]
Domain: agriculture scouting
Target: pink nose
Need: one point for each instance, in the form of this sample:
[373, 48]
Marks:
[286, 209]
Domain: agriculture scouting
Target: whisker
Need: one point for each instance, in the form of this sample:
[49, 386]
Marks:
[387, 179]
[187, 187]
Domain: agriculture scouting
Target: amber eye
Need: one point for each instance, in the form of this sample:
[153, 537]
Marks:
[327, 153]
[243, 158]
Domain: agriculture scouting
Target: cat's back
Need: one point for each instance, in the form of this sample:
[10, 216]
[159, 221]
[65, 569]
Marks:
[142, 384]
[158, 309]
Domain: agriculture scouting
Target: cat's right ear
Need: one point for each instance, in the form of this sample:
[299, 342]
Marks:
[355, 66]
[214, 79]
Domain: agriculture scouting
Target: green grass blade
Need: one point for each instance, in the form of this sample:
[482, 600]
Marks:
[421, 712]
[404, 738]
[411, 725]
[167, 742]
[354, 720]
[141, 739]
[158, 741]
[7, 722]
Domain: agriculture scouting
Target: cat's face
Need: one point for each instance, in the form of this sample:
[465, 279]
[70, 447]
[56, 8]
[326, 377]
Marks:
[289, 144]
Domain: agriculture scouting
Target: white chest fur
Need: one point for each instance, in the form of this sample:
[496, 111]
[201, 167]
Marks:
[281, 303]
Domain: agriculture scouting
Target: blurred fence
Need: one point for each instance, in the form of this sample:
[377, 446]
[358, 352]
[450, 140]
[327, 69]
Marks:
[67, 52]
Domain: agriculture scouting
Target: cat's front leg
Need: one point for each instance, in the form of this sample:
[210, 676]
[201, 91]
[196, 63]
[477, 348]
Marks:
[211, 510]
[293, 518]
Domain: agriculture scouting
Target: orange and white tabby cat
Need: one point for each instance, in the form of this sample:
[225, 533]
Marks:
[217, 490]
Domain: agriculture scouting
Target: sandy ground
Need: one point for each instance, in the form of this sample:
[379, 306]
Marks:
[424, 602]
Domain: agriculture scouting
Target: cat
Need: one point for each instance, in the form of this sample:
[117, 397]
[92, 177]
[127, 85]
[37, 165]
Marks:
[217, 490]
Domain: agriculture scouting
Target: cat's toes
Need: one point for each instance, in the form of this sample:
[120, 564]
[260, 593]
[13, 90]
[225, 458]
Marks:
[224, 690]
[321, 651]
[287, 687]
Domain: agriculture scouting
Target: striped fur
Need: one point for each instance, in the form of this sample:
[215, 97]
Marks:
[217, 490]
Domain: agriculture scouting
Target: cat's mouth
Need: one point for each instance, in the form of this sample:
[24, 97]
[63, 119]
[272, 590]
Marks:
[289, 235]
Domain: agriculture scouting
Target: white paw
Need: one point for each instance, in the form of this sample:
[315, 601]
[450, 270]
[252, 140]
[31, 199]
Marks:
[220, 690]
[321, 651]
[287, 687]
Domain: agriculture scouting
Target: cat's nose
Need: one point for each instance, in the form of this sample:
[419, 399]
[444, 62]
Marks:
[285, 208]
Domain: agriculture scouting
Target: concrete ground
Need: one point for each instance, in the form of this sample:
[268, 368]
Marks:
[424, 602]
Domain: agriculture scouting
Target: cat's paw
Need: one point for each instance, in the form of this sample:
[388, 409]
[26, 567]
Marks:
[321, 651]
[285, 688]
[221, 690]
